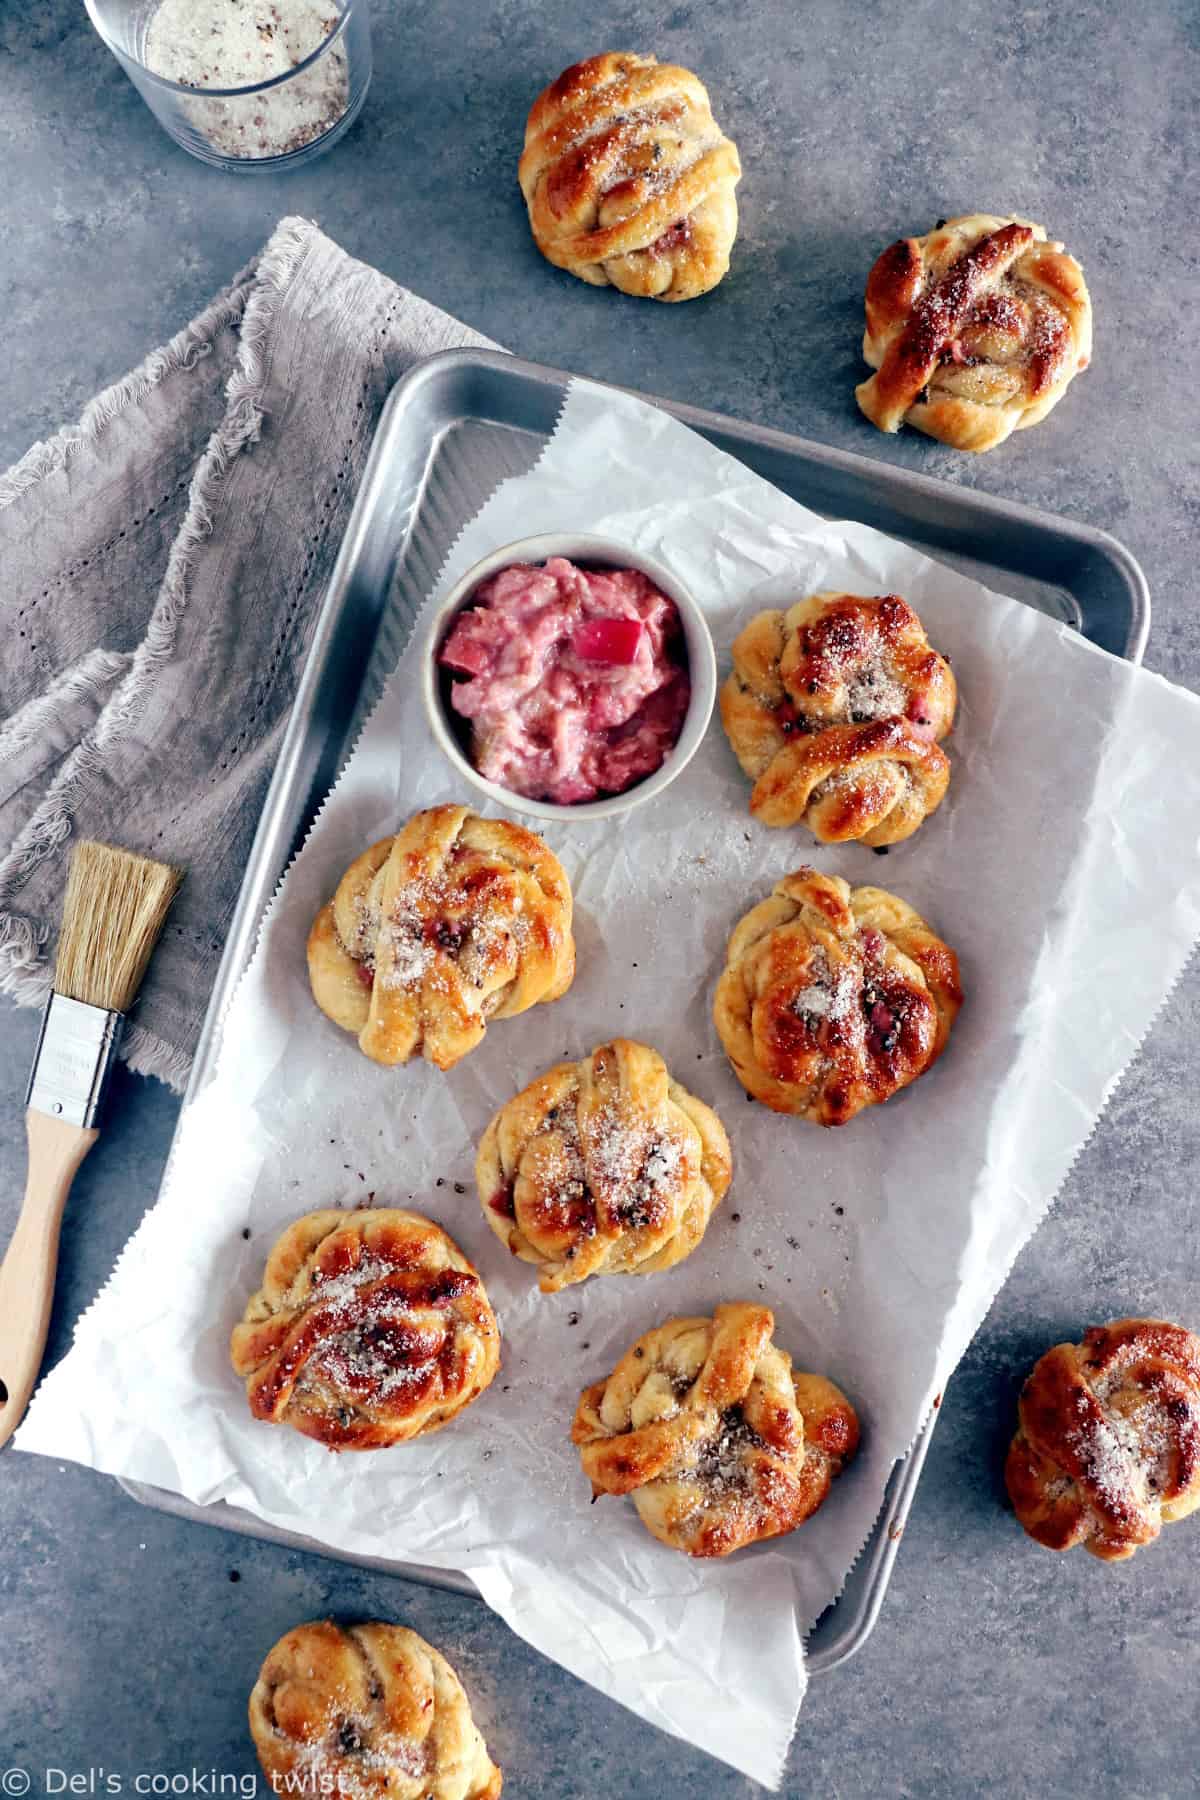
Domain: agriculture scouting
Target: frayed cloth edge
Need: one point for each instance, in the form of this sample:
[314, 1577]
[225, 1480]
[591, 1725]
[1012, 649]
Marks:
[253, 298]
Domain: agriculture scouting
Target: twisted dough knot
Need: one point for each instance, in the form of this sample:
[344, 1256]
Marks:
[834, 709]
[366, 1712]
[603, 1167]
[1107, 1448]
[430, 934]
[976, 330]
[629, 180]
[369, 1328]
[833, 998]
[718, 1439]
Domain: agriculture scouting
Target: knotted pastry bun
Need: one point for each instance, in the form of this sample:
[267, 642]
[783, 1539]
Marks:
[833, 998]
[1107, 1448]
[432, 933]
[975, 330]
[834, 709]
[369, 1328]
[604, 1166]
[718, 1439]
[363, 1711]
[629, 180]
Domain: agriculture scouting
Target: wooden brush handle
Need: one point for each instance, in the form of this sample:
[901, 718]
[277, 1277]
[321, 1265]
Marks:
[56, 1150]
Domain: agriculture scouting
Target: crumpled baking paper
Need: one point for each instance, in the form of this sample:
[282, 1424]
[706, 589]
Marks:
[1062, 867]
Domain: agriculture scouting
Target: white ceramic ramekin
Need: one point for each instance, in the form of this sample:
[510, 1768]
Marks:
[608, 553]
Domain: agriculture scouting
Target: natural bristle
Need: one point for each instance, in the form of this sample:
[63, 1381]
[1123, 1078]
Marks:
[113, 913]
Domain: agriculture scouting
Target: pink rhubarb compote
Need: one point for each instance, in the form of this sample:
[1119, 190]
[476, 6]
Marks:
[575, 680]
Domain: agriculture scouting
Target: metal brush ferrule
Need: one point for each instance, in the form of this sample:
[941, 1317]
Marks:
[75, 1052]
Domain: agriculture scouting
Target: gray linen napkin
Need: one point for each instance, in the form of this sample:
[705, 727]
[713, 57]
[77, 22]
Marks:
[160, 566]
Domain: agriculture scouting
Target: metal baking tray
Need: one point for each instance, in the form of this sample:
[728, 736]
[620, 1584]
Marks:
[451, 430]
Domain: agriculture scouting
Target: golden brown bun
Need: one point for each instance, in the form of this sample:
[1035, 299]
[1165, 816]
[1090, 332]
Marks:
[717, 1438]
[1107, 1448]
[976, 330]
[603, 1167]
[834, 709]
[455, 921]
[629, 180]
[369, 1328]
[366, 1712]
[833, 998]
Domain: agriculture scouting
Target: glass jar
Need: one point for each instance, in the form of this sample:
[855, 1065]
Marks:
[268, 125]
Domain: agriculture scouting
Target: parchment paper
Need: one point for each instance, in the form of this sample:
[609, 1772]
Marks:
[1063, 868]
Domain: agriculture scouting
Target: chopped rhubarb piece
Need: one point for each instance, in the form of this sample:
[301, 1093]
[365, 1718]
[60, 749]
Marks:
[672, 237]
[918, 717]
[502, 1202]
[882, 1018]
[466, 649]
[882, 1028]
[607, 640]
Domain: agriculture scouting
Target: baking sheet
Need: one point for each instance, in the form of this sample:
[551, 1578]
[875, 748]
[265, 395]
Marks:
[452, 430]
[981, 1195]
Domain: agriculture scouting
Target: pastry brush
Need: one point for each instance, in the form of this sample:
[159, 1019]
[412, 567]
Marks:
[112, 916]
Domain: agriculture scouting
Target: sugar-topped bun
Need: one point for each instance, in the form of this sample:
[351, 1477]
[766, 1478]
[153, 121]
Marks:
[1107, 1449]
[834, 709]
[366, 1712]
[833, 998]
[975, 330]
[628, 178]
[370, 1328]
[717, 1438]
[455, 921]
[606, 1166]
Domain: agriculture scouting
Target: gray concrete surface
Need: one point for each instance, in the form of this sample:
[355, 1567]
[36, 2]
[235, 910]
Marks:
[125, 1640]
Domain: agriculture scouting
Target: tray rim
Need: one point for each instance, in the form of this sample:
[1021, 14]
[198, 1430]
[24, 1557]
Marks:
[877, 1557]
[849, 462]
